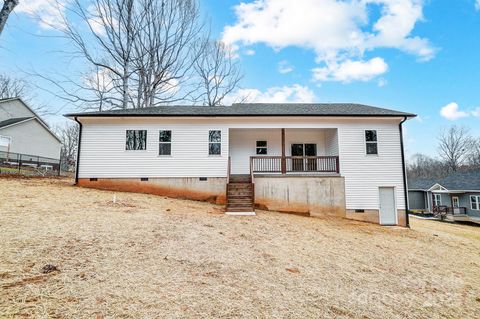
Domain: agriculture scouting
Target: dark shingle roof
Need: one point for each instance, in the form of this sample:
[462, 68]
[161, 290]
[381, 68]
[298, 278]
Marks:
[458, 181]
[13, 121]
[255, 109]
[421, 183]
[462, 181]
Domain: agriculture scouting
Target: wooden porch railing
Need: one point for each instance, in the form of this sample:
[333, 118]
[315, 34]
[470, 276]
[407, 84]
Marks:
[457, 210]
[288, 164]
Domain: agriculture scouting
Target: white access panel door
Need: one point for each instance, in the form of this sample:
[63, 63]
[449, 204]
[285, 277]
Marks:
[388, 210]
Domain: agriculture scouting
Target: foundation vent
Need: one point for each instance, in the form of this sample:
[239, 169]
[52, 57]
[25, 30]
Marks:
[202, 179]
[144, 179]
[359, 210]
[93, 179]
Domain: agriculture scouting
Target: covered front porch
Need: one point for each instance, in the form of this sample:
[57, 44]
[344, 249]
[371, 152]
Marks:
[450, 204]
[292, 151]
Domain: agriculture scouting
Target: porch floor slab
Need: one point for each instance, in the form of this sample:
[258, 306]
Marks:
[240, 213]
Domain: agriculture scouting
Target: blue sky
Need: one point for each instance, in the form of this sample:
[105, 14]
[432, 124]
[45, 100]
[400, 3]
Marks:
[411, 55]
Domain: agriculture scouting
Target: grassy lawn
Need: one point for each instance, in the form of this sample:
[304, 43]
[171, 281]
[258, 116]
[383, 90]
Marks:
[147, 257]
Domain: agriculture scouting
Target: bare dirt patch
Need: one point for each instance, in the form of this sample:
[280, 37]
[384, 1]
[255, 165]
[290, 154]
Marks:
[147, 256]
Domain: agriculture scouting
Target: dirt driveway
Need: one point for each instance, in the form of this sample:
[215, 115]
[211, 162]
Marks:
[147, 257]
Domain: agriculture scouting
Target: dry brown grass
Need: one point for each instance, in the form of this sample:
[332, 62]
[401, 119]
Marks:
[148, 257]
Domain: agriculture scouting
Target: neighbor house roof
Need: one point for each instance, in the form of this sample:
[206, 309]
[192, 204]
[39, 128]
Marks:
[18, 120]
[421, 183]
[458, 181]
[255, 109]
[26, 105]
[13, 121]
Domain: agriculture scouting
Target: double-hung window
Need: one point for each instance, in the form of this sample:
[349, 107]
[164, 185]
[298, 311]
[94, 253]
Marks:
[371, 142]
[165, 143]
[136, 140]
[261, 148]
[214, 142]
[475, 202]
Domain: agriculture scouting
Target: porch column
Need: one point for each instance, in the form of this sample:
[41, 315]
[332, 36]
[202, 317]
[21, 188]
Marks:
[284, 162]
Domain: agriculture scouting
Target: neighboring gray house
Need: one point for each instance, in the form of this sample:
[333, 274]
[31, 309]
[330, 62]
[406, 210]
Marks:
[458, 193]
[23, 131]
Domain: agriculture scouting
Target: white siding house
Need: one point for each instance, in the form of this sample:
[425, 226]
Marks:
[22, 131]
[314, 161]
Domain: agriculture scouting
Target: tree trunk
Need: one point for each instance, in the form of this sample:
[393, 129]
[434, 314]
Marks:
[8, 7]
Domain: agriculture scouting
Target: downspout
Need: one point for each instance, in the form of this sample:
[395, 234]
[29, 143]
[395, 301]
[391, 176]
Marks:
[404, 171]
[78, 149]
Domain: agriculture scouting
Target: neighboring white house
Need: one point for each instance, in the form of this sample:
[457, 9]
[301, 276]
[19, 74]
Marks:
[317, 159]
[22, 131]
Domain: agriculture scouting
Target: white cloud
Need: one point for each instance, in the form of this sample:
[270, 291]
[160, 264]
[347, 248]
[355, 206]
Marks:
[476, 112]
[102, 80]
[48, 12]
[349, 70]
[382, 82]
[337, 31]
[477, 5]
[97, 25]
[250, 52]
[285, 94]
[284, 67]
[451, 112]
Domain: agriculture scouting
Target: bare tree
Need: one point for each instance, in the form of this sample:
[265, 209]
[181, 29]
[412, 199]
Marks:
[137, 53]
[455, 146]
[68, 134]
[165, 51]
[8, 6]
[218, 71]
[474, 156]
[423, 166]
[11, 87]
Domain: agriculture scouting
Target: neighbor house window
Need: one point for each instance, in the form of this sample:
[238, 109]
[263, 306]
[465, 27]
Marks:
[214, 142]
[437, 200]
[136, 140]
[165, 143]
[371, 142]
[475, 202]
[5, 141]
[261, 147]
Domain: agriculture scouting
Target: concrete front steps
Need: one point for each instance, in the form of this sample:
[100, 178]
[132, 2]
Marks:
[240, 196]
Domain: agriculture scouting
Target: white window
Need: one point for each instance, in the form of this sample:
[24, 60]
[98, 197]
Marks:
[165, 143]
[437, 200]
[261, 148]
[475, 202]
[214, 142]
[371, 142]
[5, 141]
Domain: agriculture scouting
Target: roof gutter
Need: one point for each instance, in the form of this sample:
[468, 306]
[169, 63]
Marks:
[78, 149]
[404, 171]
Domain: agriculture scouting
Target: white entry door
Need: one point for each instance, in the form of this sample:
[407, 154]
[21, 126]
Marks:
[388, 210]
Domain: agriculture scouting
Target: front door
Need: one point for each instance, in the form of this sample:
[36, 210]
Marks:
[455, 201]
[297, 163]
[456, 205]
[311, 150]
[301, 150]
[388, 211]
